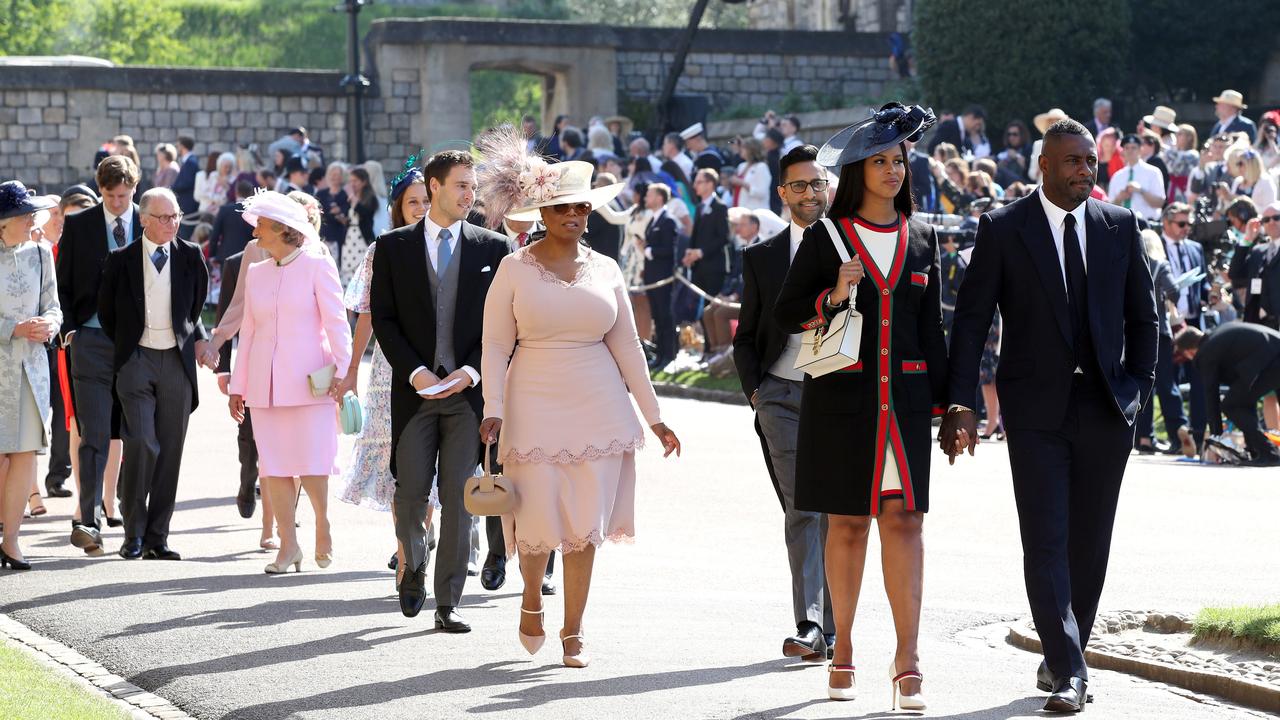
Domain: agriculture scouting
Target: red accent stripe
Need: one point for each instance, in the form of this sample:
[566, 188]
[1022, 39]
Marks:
[919, 278]
[817, 306]
[914, 366]
[938, 411]
[812, 324]
[856, 367]
[904, 470]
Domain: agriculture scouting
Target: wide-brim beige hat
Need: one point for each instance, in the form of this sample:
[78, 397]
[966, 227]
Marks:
[1045, 120]
[1232, 97]
[281, 208]
[544, 185]
[626, 123]
[1162, 117]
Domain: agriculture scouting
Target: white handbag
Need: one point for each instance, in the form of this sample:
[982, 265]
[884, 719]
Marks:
[834, 346]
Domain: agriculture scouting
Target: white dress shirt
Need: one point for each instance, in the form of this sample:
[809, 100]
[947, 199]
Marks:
[126, 221]
[1149, 178]
[785, 366]
[431, 232]
[1178, 264]
[1057, 226]
[157, 330]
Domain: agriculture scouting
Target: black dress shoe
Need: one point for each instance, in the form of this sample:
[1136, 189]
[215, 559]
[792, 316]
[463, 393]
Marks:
[1145, 448]
[246, 501]
[831, 645]
[54, 488]
[1068, 696]
[394, 562]
[447, 620]
[808, 644]
[494, 573]
[413, 592]
[131, 549]
[87, 538]
[549, 586]
[1045, 681]
[160, 552]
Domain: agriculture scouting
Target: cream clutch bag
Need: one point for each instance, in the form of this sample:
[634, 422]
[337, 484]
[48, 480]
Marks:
[320, 380]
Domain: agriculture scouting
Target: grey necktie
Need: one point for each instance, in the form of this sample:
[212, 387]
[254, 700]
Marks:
[445, 254]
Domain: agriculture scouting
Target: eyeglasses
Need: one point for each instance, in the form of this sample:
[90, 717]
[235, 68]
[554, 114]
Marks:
[818, 185]
[581, 208]
[167, 219]
[1271, 218]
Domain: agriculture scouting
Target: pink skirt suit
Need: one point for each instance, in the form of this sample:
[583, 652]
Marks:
[294, 324]
[558, 359]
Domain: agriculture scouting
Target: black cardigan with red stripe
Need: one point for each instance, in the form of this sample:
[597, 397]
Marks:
[850, 419]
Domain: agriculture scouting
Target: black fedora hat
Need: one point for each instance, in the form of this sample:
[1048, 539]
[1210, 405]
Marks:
[891, 124]
[16, 199]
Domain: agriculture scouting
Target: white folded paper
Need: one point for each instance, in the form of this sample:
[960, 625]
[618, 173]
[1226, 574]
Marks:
[438, 388]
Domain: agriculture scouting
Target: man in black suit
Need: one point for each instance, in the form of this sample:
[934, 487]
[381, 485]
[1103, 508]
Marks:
[1101, 117]
[1257, 270]
[230, 232]
[1246, 358]
[246, 500]
[87, 238]
[659, 264]
[765, 356]
[923, 185]
[427, 306]
[149, 305]
[184, 186]
[966, 132]
[709, 252]
[1078, 358]
[1186, 255]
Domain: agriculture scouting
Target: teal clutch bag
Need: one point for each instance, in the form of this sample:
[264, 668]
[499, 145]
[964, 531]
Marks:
[351, 414]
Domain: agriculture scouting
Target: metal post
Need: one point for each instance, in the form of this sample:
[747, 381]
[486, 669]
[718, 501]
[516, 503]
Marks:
[354, 81]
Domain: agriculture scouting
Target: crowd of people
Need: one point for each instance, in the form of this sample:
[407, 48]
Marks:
[519, 295]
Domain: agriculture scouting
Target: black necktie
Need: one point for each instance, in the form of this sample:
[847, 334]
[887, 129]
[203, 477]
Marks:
[118, 233]
[1077, 287]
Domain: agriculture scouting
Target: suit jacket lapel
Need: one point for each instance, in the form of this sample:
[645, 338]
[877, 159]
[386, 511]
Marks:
[470, 257]
[1044, 256]
[132, 256]
[178, 285]
[1100, 246]
[416, 266]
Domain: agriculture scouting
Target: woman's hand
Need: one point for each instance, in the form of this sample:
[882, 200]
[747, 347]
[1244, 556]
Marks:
[36, 329]
[489, 430]
[236, 404]
[850, 274]
[670, 443]
[342, 386]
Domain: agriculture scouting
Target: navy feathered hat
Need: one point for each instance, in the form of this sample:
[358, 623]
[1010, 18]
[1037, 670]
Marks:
[16, 199]
[891, 124]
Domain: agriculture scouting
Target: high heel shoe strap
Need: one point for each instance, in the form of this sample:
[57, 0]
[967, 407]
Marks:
[907, 675]
[531, 612]
[833, 668]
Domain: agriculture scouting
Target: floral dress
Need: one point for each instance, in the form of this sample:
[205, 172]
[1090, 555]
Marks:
[27, 289]
[367, 476]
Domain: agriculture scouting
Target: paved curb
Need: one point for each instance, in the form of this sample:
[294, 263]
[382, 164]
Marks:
[141, 704]
[1238, 690]
[727, 397]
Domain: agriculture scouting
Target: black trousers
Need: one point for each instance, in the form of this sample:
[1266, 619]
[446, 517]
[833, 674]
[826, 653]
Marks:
[248, 450]
[60, 445]
[1166, 388]
[1067, 483]
[1244, 414]
[664, 324]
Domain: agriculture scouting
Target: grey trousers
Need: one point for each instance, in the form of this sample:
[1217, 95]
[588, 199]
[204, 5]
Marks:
[778, 411]
[91, 375]
[446, 432]
[155, 399]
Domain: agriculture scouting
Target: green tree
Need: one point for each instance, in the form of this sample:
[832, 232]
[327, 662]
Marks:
[126, 32]
[503, 97]
[31, 27]
[660, 13]
[1021, 58]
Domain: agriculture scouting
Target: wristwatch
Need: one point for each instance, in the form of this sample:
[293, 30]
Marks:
[826, 302]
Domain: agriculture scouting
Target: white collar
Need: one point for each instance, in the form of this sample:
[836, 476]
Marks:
[1168, 239]
[706, 202]
[290, 257]
[1229, 120]
[111, 219]
[1057, 216]
[658, 215]
[149, 248]
[797, 233]
[433, 230]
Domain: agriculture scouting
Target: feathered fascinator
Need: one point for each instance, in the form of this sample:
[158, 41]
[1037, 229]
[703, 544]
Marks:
[504, 162]
[408, 176]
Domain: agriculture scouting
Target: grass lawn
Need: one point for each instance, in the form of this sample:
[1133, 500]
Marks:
[1258, 624]
[30, 690]
[699, 379]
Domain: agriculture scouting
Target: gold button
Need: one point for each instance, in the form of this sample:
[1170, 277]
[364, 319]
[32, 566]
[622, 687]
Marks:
[884, 351]
[884, 407]
[884, 292]
[884, 378]
[884, 323]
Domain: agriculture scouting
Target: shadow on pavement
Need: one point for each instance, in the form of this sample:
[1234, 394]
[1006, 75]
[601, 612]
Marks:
[1023, 707]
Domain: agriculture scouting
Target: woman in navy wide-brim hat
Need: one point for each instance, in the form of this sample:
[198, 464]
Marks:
[865, 431]
[29, 316]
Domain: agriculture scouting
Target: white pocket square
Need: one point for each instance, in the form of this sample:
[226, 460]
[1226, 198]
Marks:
[486, 268]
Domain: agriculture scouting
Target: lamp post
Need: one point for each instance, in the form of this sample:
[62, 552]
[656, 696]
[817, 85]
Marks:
[354, 81]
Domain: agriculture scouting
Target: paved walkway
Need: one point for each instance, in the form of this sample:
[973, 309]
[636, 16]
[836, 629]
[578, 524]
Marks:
[685, 623]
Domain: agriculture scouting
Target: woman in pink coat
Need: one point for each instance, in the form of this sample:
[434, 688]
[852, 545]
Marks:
[294, 325]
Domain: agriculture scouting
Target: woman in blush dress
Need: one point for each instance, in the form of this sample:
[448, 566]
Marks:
[560, 352]
[294, 325]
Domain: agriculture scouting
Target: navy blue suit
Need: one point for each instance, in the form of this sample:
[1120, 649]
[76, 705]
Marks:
[1239, 123]
[1188, 255]
[184, 187]
[659, 264]
[1071, 381]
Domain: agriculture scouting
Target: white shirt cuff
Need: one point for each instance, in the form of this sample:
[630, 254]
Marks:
[414, 374]
[475, 376]
[648, 253]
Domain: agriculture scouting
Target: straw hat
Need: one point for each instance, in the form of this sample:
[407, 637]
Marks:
[1231, 97]
[1162, 117]
[1045, 120]
[626, 123]
[274, 206]
[544, 185]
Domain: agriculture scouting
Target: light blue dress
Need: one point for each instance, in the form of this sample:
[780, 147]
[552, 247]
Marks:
[27, 289]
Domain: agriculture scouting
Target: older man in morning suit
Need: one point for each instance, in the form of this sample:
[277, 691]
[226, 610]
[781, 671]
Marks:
[427, 308]
[765, 356]
[1078, 358]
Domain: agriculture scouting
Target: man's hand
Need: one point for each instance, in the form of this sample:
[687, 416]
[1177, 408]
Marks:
[464, 382]
[423, 380]
[755, 395]
[224, 384]
[1251, 230]
[959, 431]
[205, 356]
[691, 256]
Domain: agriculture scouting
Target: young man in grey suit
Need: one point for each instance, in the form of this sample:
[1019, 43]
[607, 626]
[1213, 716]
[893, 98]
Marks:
[427, 305]
[765, 355]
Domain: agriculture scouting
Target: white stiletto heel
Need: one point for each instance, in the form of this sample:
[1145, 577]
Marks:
[848, 693]
[901, 700]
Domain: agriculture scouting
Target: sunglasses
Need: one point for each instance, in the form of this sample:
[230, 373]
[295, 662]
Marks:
[1271, 218]
[818, 185]
[1179, 223]
[579, 208]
